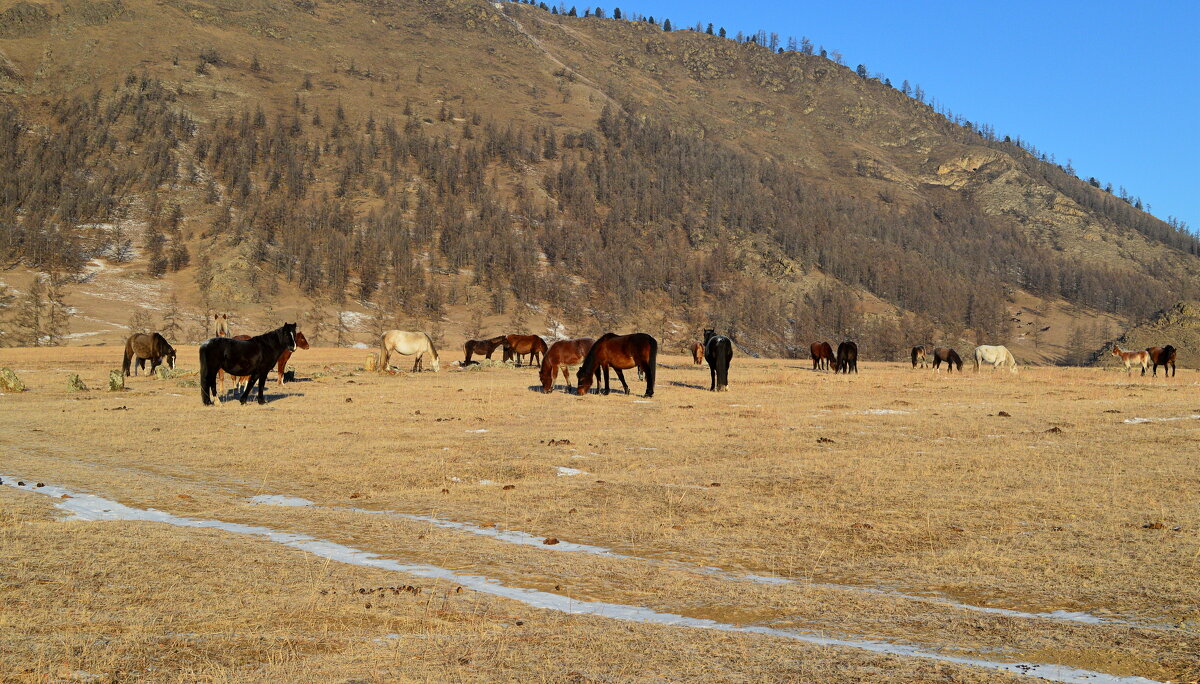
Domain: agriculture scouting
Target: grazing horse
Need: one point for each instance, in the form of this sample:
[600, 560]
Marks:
[407, 344]
[947, 356]
[1141, 358]
[997, 355]
[563, 354]
[847, 358]
[718, 351]
[519, 345]
[482, 347]
[142, 346]
[697, 350]
[619, 352]
[253, 357]
[1162, 356]
[921, 355]
[822, 355]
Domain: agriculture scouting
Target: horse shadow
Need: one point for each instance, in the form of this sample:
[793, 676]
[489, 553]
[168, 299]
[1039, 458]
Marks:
[232, 397]
[689, 385]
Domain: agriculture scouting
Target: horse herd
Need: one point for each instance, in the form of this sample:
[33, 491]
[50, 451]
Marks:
[249, 359]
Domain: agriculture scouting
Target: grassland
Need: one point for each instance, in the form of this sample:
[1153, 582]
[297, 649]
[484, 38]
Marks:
[943, 493]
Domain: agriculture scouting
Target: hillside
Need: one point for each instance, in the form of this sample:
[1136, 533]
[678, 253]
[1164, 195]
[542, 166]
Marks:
[1178, 326]
[460, 165]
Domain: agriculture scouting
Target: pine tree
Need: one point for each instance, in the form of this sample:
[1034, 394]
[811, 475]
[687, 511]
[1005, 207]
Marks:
[58, 322]
[30, 315]
[7, 298]
[666, 24]
[616, 13]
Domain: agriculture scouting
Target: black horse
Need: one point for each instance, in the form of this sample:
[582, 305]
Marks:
[847, 358]
[718, 351]
[254, 358]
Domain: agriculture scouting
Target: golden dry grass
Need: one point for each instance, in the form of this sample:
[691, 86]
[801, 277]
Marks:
[941, 495]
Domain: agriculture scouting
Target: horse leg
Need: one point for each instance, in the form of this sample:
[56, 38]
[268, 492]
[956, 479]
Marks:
[262, 381]
[621, 377]
[606, 381]
[245, 393]
[712, 372]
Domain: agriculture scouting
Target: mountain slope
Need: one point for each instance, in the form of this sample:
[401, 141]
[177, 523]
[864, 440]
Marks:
[446, 161]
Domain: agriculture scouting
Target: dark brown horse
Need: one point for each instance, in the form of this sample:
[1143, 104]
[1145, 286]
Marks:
[822, 355]
[519, 345]
[920, 355]
[847, 358]
[142, 346]
[1162, 356]
[301, 343]
[697, 350]
[482, 347]
[562, 354]
[619, 352]
[947, 356]
[254, 357]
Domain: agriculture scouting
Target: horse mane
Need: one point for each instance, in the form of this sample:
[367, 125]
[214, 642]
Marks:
[432, 348]
[589, 362]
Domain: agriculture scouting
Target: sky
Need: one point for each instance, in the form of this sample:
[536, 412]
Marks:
[1114, 87]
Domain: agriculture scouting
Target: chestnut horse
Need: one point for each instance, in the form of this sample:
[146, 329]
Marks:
[822, 355]
[619, 352]
[562, 354]
[482, 347]
[1141, 358]
[920, 355]
[1162, 356]
[519, 345]
[947, 356]
[697, 353]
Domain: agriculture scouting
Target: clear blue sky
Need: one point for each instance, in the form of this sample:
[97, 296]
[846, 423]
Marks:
[1112, 86]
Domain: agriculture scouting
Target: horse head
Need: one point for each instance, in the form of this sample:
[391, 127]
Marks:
[170, 356]
[708, 334]
[300, 341]
[288, 333]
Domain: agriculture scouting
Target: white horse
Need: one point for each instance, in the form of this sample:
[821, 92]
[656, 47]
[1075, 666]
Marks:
[407, 344]
[997, 355]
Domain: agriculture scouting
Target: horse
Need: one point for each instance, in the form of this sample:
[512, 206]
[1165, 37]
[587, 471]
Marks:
[920, 354]
[947, 356]
[1142, 358]
[482, 347]
[253, 357]
[564, 353]
[301, 342]
[997, 355]
[1162, 356]
[847, 358]
[822, 355]
[619, 352]
[142, 346]
[718, 351]
[221, 323]
[407, 343]
[697, 350]
[519, 345]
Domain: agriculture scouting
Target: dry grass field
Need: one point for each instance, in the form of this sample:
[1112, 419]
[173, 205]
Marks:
[895, 510]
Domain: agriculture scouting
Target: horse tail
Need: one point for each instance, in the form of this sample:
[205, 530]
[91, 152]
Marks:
[978, 358]
[653, 364]
[204, 379]
[383, 353]
[724, 354]
[128, 356]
